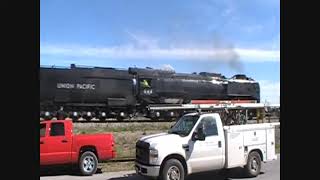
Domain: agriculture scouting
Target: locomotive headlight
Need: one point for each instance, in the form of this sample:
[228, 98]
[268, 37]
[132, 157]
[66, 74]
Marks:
[47, 114]
[153, 155]
[103, 114]
[88, 113]
[75, 114]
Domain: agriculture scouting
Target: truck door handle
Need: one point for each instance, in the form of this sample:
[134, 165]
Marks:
[41, 142]
[219, 144]
[64, 141]
[186, 147]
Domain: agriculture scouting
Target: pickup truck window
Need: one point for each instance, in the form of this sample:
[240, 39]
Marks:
[57, 129]
[42, 130]
[209, 126]
[184, 125]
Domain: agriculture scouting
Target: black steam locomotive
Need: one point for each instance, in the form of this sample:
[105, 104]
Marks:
[114, 93]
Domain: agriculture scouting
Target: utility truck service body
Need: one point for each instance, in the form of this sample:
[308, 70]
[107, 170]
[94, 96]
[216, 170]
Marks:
[200, 142]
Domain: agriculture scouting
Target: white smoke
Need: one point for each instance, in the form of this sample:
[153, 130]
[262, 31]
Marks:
[167, 67]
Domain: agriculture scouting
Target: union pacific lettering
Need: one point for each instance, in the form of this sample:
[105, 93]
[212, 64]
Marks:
[76, 86]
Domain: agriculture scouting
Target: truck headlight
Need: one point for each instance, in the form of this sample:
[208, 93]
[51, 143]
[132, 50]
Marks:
[153, 156]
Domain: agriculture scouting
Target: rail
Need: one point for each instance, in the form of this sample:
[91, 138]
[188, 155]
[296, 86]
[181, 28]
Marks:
[267, 119]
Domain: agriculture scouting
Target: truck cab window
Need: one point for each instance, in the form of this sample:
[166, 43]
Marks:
[184, 125]
[57, 129]
[42, 130]
[209, 126]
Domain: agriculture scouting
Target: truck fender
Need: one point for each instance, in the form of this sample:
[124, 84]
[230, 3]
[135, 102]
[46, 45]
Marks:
[88, 148]
[256, 150]
[178, 157]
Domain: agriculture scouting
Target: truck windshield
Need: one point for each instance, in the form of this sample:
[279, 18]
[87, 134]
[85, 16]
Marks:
[184, 125]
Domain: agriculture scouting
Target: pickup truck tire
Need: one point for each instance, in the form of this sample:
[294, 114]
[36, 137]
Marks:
[88, 163]
[172, 170]
[253, 166]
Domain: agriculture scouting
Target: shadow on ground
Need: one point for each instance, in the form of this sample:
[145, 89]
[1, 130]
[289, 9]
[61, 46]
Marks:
[216, 175]
[61, 170]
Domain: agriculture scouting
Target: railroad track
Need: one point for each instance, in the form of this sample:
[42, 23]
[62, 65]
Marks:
[125, 121]
[118, 121]
[272, 119]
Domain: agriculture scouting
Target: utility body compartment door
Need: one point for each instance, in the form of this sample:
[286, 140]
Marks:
[235, 150]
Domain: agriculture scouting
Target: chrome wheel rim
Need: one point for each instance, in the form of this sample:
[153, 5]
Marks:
[88, 164]
[173, 173]
[254, 165]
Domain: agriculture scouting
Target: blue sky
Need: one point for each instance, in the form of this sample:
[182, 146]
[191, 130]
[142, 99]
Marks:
[224, 36]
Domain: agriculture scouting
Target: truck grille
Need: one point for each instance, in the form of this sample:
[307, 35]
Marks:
[142, 152]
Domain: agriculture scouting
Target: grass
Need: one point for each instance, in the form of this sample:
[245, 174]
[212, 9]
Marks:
[119, 166]
[125, 134]
[126, 141]
[120, 127]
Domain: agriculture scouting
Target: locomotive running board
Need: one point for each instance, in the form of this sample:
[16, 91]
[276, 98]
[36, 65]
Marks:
[212, 106]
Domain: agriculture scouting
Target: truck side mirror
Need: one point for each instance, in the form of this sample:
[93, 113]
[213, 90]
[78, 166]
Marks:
[199, 135]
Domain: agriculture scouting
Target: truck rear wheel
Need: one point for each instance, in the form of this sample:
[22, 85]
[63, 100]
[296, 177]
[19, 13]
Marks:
[88, 163]
[172, 170]
[253, 166]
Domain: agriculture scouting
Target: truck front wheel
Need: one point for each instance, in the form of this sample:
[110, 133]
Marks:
[88, 163]
[253, 166]
[172, 170]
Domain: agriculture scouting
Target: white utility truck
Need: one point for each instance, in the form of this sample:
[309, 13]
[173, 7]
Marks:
[199, 142]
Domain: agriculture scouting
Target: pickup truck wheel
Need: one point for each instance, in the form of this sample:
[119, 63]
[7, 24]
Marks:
[88, 163]
[253, 166]
[172, 170]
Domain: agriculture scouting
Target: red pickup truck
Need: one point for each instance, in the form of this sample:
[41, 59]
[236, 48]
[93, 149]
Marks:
[58, 145]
